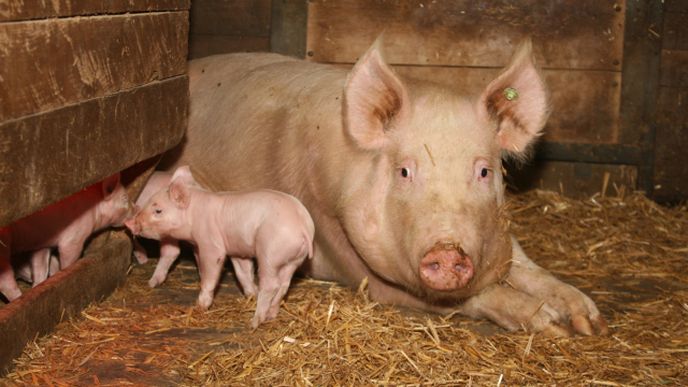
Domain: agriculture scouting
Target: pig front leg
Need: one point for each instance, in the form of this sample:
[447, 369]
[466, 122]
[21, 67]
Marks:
[243, 269]
[210, 262]
[139, 252]
[8, 284]
[70, 252]
[532, 299]
[40, 266]
[169, 251]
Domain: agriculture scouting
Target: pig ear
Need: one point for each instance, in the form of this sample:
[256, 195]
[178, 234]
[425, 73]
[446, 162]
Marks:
[110, 184]
[179, 193]
[183, 174]
[518, 101]
[373, 97]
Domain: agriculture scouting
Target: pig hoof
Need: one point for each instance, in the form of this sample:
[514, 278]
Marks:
[141, 258]
[204, 302]
[154, 282]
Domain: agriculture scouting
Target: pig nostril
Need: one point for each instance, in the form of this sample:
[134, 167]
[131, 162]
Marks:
[434, 266]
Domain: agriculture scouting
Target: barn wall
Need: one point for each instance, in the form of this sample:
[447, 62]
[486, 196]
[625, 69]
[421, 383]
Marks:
[87, 89]
[671, 155]
[599, 59]
[222, 26]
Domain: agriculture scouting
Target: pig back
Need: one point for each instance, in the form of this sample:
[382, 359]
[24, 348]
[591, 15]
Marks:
[259, 121]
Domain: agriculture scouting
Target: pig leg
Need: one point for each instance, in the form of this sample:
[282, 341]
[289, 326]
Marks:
[268, 288]
[169, 251]
[8, 284]
[210, 263]
[533, 299]
[243, 269]
[575, 308]
[140, 252]
[70, 252]
[40, 261]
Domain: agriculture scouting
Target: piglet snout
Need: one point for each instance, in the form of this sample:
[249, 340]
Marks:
[446, 269]
[133, 226]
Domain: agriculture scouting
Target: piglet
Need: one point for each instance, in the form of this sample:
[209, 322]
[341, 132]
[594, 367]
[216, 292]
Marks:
[65, 225]
[169, 247]
[272, 226]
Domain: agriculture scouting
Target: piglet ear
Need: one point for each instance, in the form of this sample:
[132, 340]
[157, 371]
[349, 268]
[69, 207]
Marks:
[518, 101]
[110, 184]
[183, 173]
[179, 194]
[374, 97]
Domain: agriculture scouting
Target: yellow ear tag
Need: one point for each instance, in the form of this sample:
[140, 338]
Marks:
[510, 94]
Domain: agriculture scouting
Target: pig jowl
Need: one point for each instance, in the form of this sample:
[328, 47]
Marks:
[402, 177]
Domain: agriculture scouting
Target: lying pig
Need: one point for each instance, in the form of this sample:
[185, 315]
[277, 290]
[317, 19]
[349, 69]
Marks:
[272, 226]
[403, 177]
[65, 225]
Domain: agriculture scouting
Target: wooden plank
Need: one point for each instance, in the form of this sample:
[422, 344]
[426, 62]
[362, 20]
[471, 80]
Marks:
[49, 64]
[674, 68]
[675, 35]
[288, 29]
[573, 179]
[62, 296]
[205, 45]
[676, 5]
[231, 17]
[586, 34]
[48, 156]
[671, 142]
[585, 104]
[14, 10]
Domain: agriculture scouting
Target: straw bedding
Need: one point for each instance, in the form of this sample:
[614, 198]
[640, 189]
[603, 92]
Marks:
[628, 253]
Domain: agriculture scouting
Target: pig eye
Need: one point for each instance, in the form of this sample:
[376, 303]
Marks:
[158, 211]
[482, 170]
[405, 172]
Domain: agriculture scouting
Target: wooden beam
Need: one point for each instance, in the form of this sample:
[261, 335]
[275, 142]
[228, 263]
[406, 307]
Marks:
[53, 63]
[289, 27]
[63, 295]
[49, 156]
[14, 10]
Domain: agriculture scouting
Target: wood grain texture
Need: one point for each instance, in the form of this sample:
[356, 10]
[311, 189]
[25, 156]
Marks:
[231, 17]
[14, 10]
[675, 35]
[674, 69]
[572, 179]
[49, 64]
[585, 104]
[48, 156]
[671, 142]
[62, 296]
[586, 34]
[676, 5]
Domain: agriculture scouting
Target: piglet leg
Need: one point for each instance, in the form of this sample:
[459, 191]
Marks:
[139, 252]
[243, 269]
[40, 266]
[8, 284]
[169, 251]
[210, 263]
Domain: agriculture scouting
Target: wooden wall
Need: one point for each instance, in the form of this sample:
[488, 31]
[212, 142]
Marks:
[600, 59]
[221, 26]
[87, 89]
[671, 142]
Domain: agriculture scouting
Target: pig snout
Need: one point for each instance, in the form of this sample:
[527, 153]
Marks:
[446, 267]
[133, 226]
